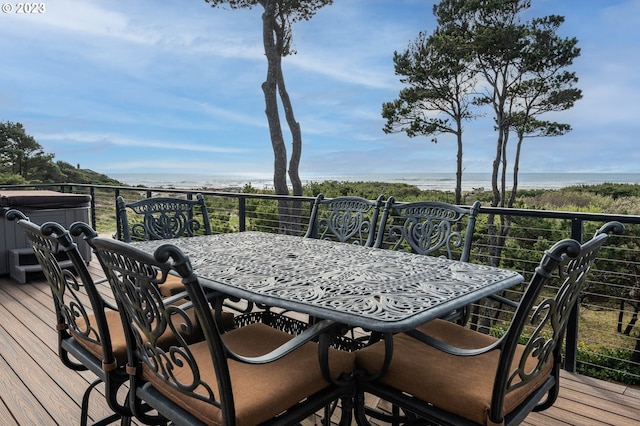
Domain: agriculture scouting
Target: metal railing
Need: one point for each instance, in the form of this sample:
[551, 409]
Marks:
[593, 341]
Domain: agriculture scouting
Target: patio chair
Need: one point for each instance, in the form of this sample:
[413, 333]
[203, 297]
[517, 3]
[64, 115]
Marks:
[345, 219]
[161, 218]
[248, 376]
[446, 374]
[429, 228]
[90, 334]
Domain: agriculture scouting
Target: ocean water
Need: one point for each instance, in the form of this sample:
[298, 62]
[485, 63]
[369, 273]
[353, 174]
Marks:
[424, 181]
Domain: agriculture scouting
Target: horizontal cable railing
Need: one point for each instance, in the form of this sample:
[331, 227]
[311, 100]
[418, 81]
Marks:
[599, 342]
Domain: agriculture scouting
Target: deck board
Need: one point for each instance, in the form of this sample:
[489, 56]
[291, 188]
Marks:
[38, 389]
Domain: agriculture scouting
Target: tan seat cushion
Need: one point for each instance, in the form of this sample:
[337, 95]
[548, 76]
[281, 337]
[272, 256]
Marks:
[172, 286]
[260, 392]
[118, 340]
[460, 385]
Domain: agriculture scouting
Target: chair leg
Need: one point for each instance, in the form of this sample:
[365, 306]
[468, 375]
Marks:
[347, 411]
[328, 412]
[111, 419]
[84, 412]
[395, 412]
[359, 409]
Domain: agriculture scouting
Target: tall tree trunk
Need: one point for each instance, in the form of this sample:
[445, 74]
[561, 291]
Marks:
[459, 163]
[495, 202]
[270, 88]
[516, 170]
[635, 355]
[484, 314]
[277, 20]
[296, 153]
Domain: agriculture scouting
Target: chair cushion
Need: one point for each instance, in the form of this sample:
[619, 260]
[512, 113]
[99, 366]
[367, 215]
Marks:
[460, 385]
[260, 392]
[172, 286]
[119, 342]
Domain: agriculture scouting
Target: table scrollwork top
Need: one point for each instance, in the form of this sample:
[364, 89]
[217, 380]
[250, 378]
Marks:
[379, 289]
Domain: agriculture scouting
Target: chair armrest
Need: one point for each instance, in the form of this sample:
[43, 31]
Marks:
[321, 331]
[504, 300]
[452, 350]
[308, 335]
[170, 300]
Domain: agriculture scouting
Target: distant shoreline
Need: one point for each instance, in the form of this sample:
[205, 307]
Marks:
[424, 181]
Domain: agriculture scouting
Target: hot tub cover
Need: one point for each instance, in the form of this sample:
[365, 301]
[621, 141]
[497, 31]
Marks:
[42, 200]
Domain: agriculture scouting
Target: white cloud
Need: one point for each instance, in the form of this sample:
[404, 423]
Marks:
[178, 79]
[123, 141]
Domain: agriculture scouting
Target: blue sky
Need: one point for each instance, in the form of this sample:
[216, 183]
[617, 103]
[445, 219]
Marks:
[173, 86]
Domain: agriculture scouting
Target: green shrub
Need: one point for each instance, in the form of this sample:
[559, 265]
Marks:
[608, 364]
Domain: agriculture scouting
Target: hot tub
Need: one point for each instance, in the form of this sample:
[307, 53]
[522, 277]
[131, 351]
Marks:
[39, 206]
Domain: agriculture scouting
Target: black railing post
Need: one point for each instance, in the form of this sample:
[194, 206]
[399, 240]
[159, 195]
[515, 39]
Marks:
[92, 192]
[242, 214]
[190, 198]
[571, 339]
[116, 194]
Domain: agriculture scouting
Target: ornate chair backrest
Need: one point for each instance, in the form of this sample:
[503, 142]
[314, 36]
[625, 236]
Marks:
[149, 320]
[345, 219]
[543, 317]
[79, 307]
[161, 218]
[428, 228]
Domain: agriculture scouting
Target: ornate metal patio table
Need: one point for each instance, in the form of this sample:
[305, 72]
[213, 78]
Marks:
[379, 290]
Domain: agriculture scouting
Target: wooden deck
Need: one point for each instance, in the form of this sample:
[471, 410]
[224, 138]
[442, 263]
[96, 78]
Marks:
[38, 390]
